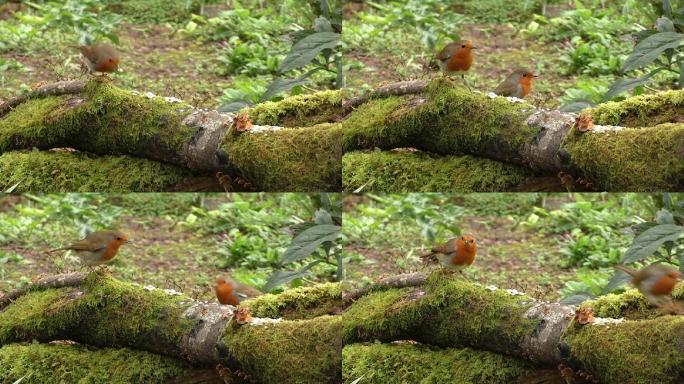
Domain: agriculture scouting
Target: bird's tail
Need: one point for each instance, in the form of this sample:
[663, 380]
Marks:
[429, 257]
[627, 270]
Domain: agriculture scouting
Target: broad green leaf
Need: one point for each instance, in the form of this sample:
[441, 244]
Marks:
[667, 8]
[281, 85]
[307, 241]
[304, 51]
[321, 24]
[650, 48]
[664, 216]
[234, 106]
[681, 74]
[577, 299]
[650, 240]
[577, 106]
[323, 217]
[619, 279]
[663, 24]
[283, 277]
[626, 85]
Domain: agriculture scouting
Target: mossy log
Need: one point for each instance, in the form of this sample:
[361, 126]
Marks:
[105, 120]
[453, 313]
[636, 145]
[104, 312]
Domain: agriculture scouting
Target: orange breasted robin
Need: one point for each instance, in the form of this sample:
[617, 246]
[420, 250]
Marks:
[232, 292]
[456, 254]
[655, 281]
[100, 57]
[517, 84]
[98, 247]
[456, 57]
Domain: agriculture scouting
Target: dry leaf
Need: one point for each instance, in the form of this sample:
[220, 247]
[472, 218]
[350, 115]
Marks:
[243, 122]
[584, 123]
[585, 315]
[242, 315]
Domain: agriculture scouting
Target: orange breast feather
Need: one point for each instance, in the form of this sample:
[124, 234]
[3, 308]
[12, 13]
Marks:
[461, 60]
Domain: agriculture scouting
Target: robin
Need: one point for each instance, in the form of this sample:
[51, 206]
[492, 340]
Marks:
[456, 57]
[517, 84]
[656, 281]
[456, 254]
[100, 57]
[98, 247]
[231, 292]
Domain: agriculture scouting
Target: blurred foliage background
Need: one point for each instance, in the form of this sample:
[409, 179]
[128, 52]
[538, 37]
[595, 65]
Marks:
[179, 240]
[551, 246]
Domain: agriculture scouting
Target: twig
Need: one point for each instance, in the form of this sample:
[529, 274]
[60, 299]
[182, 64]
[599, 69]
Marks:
[54, 89]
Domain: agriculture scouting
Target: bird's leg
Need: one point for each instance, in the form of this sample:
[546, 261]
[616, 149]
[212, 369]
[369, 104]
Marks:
[465, 82]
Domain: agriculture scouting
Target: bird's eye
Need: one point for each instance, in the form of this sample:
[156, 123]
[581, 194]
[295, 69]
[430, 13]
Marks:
[118, 238]
[462, 46]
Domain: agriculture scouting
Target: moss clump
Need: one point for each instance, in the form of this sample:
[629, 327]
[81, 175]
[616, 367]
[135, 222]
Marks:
[301, 351]
[58, 363]
[631, 305]
[108, 120]
[460, 314]
[420, 172]
[298, 303]
[446, 120]
[630, 159]
[289, 159]
[404, 363]
[638, 352]
[641, 111]
[105, 305]
[81, 172]
[298, 111]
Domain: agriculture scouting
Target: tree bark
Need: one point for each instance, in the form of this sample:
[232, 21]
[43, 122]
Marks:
[450, 121]
[104, 312]
[453, 313]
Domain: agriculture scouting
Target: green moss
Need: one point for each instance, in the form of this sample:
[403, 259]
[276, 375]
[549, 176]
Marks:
[641, 111]
[298, 303]
[301, 351]
[404, 363]
[80, 172]
[293, 160]
[59, 363]
[630, 159]
[108, 120]
[298, 111]
[631, 305]
[446, 120]
[105, 305]
[421, 172]
[638, 352]
[462, 314]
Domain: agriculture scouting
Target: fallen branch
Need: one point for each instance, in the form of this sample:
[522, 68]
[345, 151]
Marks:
[104, 312]
[104, 120]
[400, 281]
[54, 89]
[454, 313]
[451, 121]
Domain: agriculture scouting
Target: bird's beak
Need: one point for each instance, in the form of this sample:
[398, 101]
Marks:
[536, 75]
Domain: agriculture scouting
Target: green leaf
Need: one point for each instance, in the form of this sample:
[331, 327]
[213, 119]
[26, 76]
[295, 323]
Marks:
[577, 106]
[321, 24]
[650, 48]
[339, 80]
[281, 85]
[663, 24]
[681, 74]
[577, 299]
[618, 280]
[304, 51]
[323, 217]
[626, 85]
[650, 240]
[283, 277]
[307, 241]
[234, 106]
[664, 216]
[667, 8]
